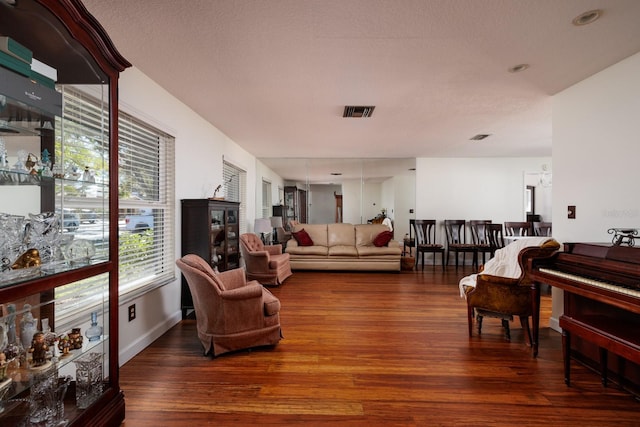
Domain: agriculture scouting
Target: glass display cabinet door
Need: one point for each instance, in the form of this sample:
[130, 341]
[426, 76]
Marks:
[58, 215]
[233, 257]
[217, 236]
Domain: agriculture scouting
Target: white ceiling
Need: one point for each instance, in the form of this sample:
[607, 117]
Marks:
[275, 75]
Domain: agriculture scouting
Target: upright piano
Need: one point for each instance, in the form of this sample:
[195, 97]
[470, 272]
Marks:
[601, 285]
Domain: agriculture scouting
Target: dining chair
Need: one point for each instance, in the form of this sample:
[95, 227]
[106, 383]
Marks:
[425, 240]
[542, 228]
[409, 241]
[455, 230]
[517, 228]
[479, 236]
[495, 237]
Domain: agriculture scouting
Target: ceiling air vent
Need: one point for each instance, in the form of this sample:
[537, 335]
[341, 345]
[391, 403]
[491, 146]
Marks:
[358, 111]
[480, 136]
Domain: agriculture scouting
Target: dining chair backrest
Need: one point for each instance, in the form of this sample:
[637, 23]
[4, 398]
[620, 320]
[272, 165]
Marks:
[542, 228]
[495, 237]
[425, 231]
[456, 231]
[517, 228]
[478, 233]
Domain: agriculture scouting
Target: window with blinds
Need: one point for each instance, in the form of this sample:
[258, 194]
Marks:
[266, 199]
[235, 189]
[146, 193]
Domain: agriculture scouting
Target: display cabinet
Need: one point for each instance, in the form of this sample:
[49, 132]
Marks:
[295, 204]
[58, 282]
[210, 229]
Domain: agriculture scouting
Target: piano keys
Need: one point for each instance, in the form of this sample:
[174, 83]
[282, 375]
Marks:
[601, 285]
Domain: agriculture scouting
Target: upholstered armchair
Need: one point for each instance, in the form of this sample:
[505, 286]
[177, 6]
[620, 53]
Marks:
[502, 290]
[264, 263]
[231, 313]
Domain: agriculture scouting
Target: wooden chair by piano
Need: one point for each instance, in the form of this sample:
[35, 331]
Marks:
[479, 237]
[425, 240]
[517, 228]
[495, 237]
[504, 297]
[457, 241]
[542, 228]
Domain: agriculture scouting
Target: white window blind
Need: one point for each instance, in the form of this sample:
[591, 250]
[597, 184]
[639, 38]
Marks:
[235, 190]
[146, 201]
[146, 192]
[266, 199]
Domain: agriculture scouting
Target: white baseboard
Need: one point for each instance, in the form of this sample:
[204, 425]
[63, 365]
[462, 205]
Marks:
[145, 340]
[555, 324]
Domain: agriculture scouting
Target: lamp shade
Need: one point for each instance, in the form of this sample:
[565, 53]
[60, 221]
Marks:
[276, 221]
[262, 225]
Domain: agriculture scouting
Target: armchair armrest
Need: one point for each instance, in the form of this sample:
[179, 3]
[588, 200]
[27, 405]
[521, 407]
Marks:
[274, 249]
[252, 290]
[232, 279]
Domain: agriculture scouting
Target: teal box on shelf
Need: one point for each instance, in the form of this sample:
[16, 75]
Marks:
[15, 49]
[43, 80]
[14, 64]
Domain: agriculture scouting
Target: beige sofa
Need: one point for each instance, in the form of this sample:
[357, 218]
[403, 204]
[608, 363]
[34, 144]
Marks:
[344, 247]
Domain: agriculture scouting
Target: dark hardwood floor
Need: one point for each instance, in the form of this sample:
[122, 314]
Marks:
[374, 349]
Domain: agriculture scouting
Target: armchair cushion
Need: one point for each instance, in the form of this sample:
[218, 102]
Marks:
[303, 238]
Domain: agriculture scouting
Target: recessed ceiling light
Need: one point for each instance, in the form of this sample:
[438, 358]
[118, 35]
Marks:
[518, 68]
[587, 17]
[480, 136]
[336, 173]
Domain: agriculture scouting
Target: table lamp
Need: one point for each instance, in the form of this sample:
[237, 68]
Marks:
[262, 226]
[276, 222]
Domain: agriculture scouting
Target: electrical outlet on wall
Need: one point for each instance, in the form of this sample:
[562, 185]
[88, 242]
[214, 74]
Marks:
[132, 312]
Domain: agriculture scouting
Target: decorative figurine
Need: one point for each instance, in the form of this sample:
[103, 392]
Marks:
[64, 345]
[31, 258]
[38, 349]
[11, 323]
[28, 327]
[75, 339]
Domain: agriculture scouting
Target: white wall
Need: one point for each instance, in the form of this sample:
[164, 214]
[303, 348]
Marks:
[472, 188]
[322, 203]
[595, 157]
[200, 148]
[404, 202]
[266, 174]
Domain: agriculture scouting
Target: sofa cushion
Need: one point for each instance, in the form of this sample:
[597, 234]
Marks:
[365, 233]
[318, 233]
[383, 239]
[373, 251]
[343, 250]
[341, 234]
[295, 250]
[303, 238]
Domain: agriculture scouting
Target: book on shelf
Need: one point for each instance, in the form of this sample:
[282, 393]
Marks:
[15, 49]
[12, 63]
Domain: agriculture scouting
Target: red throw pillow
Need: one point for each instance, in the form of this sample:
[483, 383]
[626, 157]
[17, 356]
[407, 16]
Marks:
[303, 238]
[383, 239]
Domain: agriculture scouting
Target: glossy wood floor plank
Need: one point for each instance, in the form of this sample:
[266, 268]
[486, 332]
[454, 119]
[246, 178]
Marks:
[374, 349]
